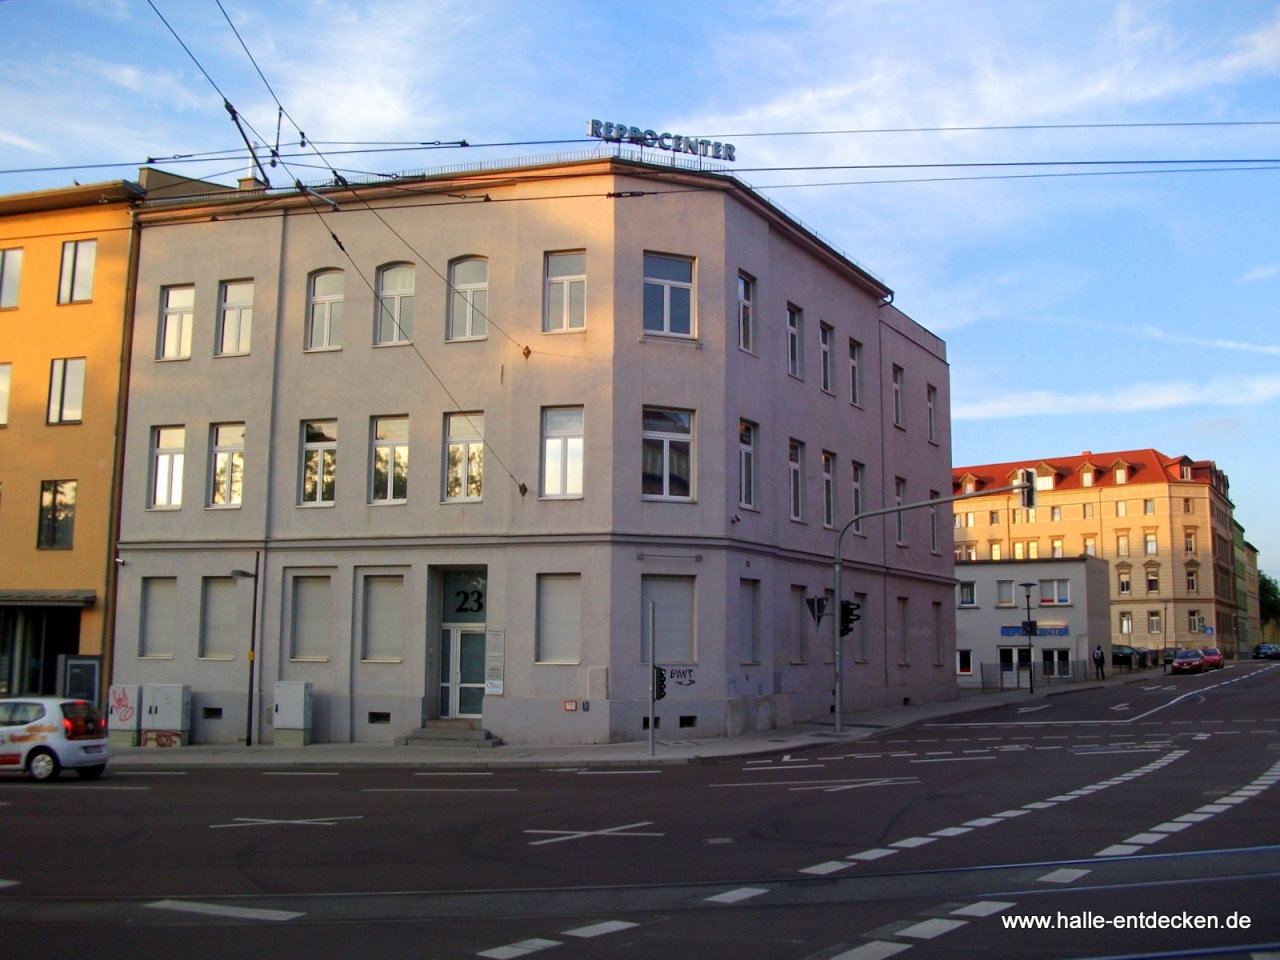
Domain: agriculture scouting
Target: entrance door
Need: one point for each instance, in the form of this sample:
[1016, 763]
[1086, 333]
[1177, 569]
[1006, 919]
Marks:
[462, 671]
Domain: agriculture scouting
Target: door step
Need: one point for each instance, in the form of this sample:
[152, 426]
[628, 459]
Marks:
[467, 734]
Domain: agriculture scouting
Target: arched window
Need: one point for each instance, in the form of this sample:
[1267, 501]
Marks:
[324, 310]
[395, 304]
[468, 300]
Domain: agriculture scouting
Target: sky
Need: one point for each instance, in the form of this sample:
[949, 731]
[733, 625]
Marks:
[1102, 311]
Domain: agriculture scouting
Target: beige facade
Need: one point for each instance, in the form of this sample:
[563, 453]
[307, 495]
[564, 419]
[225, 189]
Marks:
[1163, 523]
[1251, 615]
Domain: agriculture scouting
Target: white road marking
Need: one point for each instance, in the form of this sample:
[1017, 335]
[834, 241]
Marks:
[759, 761]
[1169, 827]
[983, 822]
[875, 950]
[148, 773]
[1040, 805]
[1121, 706]
[1009, 814]
[928, 929]
[873, 854]
[9, 883]
[439, 790]
[456, 773]
[264, 822]
[1065, 875]
[1118, 850]
[831, 866]
[299, 773]
[984, 908]
[737, 896]
[1213, 808]
[512, 950]
[599, 929]
[223, 910]
[626, 830]
[1192, 817]
[951, 831]
[912, 842]
[612, 773]
[803, 766]
[1034, 709]
[823, 784]
[951, 759]
[1145, 838]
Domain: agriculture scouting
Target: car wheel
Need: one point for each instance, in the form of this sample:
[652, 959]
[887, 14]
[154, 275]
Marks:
[43, 765]
[90, 773]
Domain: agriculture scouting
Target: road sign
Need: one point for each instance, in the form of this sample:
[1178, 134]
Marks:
[818, 608]
[1029, 628]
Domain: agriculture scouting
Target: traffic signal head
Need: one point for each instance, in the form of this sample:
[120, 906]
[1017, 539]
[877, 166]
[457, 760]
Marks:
[1028, 492]
[659, 683]
[848, 616]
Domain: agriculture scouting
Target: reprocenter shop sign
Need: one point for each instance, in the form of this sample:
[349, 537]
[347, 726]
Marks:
[675, 142]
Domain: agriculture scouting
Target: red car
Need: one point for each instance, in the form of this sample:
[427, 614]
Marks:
[1188, 661]
[1212, 658]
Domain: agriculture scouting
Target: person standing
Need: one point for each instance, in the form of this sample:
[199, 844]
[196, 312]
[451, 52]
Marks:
[1098, 658]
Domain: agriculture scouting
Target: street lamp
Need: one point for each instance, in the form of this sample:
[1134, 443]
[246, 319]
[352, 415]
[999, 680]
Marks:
[1029, 628]
[253, 642]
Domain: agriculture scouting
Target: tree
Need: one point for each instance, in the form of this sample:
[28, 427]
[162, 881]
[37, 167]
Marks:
[1268, 598]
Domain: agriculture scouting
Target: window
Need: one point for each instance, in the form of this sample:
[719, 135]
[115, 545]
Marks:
[1087, 513]
[1086, 478]
[970, 487]
[668, 295]
[673, 599]
[899, 498]
[175, 325]
[749, 620]
[1149, 507]
[903, 630]
[566, 292]
[562, 452]
[159, 617]
[227, 465]
[1125, 584]
[1189, 541]
[559, 637]
[899, 418]
[857, 495]
[746, 319]
[1122, 508]
[993, 518]
[10, 276]
[933, 523]
[1193, 621]
[855, 373]
[464, 456]
[824, 336]
[236, 319]
[1149, 544]
[395, 304]
[76, 283]
[1153, 621]
[6, 376]
[1055, 592]
[828, 489]
[1004, 593]
[966, 551]
[468, 300]
[1031, 514]
[167, 455]
[1122, 475]
[746, 464]
[319, 461]
[996, 551]
[795, 473]
[1019, 550]
[390, 479]
[1193, 585]
[1153, 581]
[1126, 623]
[66, 390]
[311, 619]
[1184, 472]
[1188, 506]
[1090, 547]
[1122, 545]
[667, 470]
[383, 621]
[799, 639]
[57, 515]
[1033, 549]
[1056, 549]
[968, 594]
[1015, 515]
[1044, 483]
[324, 318]
[218, 632]
[795, 342]
[964, 662]
[1055, 513]
[931, 401]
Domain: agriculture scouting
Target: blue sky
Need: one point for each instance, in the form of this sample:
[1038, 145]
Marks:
[1092, 312]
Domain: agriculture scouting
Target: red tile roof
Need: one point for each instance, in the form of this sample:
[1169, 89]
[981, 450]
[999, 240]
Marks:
[1144, 466]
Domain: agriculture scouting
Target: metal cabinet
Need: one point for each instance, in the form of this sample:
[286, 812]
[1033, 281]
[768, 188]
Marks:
[291, 716]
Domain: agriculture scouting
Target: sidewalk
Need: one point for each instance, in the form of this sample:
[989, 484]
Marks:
[858, 726]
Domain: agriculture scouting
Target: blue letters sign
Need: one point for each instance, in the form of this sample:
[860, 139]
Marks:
[675, 142]
[1041, 632]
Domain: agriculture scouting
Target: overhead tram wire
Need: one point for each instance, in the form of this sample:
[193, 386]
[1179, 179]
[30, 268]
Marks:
[1010, 126]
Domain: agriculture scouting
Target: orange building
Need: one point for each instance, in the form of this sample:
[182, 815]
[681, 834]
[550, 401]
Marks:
[66, 260]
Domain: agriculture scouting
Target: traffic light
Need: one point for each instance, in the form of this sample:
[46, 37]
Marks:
[659, 683]
[1028, 492]
[848, 616]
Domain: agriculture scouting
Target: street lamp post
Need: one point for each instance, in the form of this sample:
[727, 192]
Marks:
[1030, 632]
[253, 642]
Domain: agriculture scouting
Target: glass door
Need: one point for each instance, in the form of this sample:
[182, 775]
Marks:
[462, 671]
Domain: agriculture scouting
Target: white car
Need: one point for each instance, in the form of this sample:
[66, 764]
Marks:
[43, 735]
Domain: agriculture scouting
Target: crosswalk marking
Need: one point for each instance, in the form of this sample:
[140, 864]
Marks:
[1064, 875]
[513, 950]
[223, 910]
[737, 896]
[599, 929]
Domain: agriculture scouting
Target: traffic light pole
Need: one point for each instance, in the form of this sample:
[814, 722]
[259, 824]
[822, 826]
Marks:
[653, 675]
[838, 564]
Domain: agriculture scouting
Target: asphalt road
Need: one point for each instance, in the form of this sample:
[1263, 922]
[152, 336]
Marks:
[1013, 833]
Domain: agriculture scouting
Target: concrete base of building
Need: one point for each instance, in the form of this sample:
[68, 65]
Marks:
[122, 738]
[291, 738]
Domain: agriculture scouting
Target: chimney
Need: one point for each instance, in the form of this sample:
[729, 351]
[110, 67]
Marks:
[1087, 453]
[251, 183]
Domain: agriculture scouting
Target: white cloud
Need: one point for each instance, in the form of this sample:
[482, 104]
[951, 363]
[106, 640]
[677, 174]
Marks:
[1137, 397]
[1261, 273]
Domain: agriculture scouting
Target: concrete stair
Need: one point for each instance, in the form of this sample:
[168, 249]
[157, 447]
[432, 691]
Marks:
[458, 734]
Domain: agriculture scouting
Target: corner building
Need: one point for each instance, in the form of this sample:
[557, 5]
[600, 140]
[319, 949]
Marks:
[640, 384]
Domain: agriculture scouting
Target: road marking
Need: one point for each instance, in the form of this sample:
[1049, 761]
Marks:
[928, 929]
[875, 950]
[911, 843]
[77, 788]
[299, 773]
[263, 822]
[1065, 875]
[951, 831]
[612, 773]
[1040, 805]
[223, 910]
[1169, 827]
[939, 753]
[9, 883]
[831, 866]
[952, 759]
[599, 929]
[803, 766]
[984, 908]
[1192, 817]
[1145, 838]
[626, 830]
[439, 790]
[1008, 814]
[1213, 808]
[759, 761]
[983, 822]
[520, 949]
[1034, 709]
[1121, 706]
[1118, 850]
[148, 773]
[873, 854]
[824, 784]
[737, 896]
[456, 773]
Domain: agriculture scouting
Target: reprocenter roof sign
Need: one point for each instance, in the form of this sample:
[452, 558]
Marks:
[675, 142]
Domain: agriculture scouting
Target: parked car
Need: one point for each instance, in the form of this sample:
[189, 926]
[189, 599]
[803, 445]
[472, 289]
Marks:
[1188, 661]
[44, 735]
[1266, 651]
[1171, 653]
[1123, 655]
[1212, 658]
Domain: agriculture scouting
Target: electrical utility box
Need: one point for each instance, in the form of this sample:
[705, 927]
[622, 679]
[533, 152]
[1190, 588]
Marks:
[124, 714]
[292, 714]
[166, 715]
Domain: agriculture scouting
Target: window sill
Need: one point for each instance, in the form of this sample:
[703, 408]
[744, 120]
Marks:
[904, 663]
[322, 349]
[73, 303]
[658, 335]
[829, 393]
[326, 505]
[553, 496]
[223, 506]
[155, 656]
[382, 660]
[393, 343]
[748, 663]
[308, 659]
[748, 352]
[934, 443]
[465, 339]
[795, 376]
[749, 506]
[565, 330]
[386, 503]
[901, 426]
[654, 498]
[855, 403]
[462, 500]
[216, 659]
[63, 423]
[799, 520]
[222, 356]
[172, 359]
[557, 663]
[156, 508]
[968, 606]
